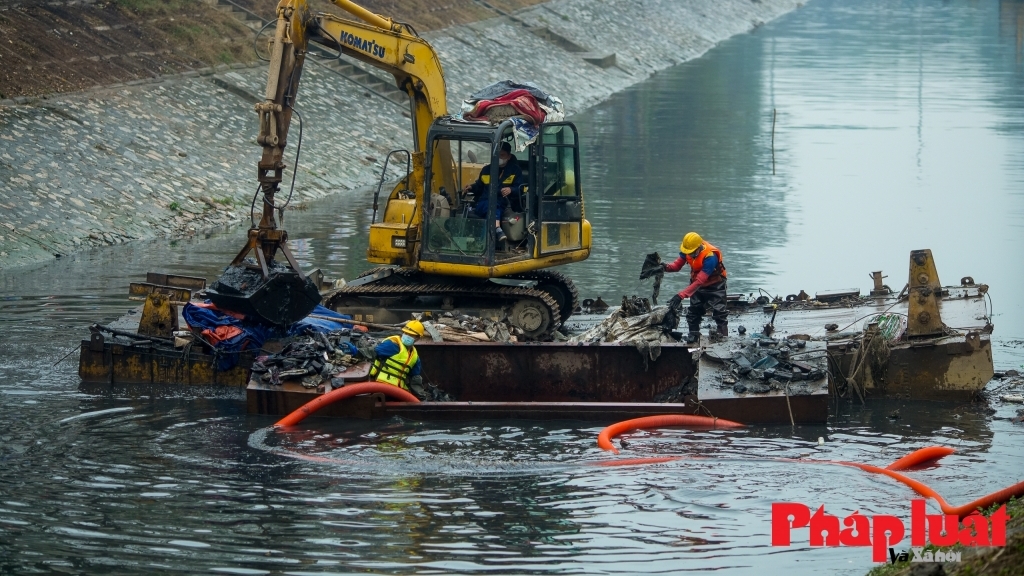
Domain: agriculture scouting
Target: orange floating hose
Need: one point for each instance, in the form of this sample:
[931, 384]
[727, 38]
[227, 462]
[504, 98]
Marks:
[637, 461]
[340, 394]
[604, 439]
[915, 458]
[918, 457]
[997, 497]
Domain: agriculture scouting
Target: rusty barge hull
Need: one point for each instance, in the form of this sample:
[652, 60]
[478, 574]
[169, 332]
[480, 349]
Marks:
[946, 354]
[541, 381]
[551, 381]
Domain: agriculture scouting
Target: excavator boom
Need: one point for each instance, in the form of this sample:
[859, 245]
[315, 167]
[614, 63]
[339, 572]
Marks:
[281, 294]
[445, 259]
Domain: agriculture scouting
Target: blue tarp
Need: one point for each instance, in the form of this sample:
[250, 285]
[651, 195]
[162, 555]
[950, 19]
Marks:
[235, 335]
[319, 324]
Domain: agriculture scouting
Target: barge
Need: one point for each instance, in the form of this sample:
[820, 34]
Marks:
[927, 342]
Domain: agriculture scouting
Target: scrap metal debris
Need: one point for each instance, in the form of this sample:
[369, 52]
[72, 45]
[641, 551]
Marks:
[314, 359]
[653, 268]
[760, 365]
[644, 330]
[463, 328]
[591, 306]
[635, 306]
[324, 357]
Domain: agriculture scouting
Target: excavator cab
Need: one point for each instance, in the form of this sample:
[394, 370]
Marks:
[543, 217]
[444, 257]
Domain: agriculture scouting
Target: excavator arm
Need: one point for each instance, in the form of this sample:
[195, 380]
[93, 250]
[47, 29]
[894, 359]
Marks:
[285, 296]
[377, 40]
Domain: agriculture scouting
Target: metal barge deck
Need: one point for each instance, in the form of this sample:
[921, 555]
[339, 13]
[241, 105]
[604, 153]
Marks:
[946, 355]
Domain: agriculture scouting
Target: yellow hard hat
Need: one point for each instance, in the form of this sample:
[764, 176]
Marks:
[414, 328]
[691, 242]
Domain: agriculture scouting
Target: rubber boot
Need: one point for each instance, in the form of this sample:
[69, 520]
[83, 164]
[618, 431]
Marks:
[694, 334]
[721, 332]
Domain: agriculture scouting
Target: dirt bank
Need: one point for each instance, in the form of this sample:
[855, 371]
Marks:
[49, 46]
[175, 155]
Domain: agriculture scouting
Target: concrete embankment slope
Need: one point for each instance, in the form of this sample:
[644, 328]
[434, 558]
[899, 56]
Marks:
[177, 155]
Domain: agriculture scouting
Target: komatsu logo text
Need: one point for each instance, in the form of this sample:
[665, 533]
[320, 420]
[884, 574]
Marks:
[369, 46]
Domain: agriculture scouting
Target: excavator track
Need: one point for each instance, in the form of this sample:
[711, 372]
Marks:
[533, 310]
[568, 297]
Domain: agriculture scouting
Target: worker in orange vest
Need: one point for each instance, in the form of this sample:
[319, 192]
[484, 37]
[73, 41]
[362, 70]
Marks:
[707, 284]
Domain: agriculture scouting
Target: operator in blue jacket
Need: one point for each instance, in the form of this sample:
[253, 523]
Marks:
[511, 179]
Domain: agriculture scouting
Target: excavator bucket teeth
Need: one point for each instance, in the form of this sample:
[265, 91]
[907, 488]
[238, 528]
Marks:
[281, 300]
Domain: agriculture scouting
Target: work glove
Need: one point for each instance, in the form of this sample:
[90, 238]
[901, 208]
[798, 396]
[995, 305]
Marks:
[676, 303]
[671, 319]
[416, 387]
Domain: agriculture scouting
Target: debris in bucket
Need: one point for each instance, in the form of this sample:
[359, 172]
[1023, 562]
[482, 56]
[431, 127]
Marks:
[280, 299]
[653, 268]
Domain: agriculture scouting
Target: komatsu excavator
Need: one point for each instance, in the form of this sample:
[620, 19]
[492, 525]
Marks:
[435, 256]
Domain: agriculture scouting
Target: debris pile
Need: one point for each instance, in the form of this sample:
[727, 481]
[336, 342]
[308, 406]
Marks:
[760, 365]
[315, 358]
[1009, 390]
[323, 357]
[633, 323]
[464, 328]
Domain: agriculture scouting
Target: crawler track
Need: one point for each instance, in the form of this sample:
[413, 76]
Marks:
[534, 310]
[557, 284]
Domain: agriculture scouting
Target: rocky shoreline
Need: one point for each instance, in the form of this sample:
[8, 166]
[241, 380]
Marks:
[175, 156]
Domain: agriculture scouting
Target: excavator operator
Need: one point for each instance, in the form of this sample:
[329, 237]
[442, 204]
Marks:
[397, 361]
[511, 178]
[707, 284]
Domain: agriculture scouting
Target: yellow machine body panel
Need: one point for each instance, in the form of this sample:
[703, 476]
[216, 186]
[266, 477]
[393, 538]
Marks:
[498, 270]
[388, 243]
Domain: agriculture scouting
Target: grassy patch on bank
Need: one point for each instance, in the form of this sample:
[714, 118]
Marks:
[991, 561]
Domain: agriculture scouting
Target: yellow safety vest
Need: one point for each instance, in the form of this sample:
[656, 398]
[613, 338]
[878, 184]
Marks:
[394, 369]
[486, 179]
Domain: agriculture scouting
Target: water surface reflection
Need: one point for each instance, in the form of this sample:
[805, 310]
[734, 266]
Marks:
[899, 126]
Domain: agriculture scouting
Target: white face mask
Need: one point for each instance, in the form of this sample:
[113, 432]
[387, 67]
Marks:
[407, 340]
[502, 162]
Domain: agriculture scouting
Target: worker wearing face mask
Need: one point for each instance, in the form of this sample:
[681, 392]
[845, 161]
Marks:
[397, 361]
[510, 178]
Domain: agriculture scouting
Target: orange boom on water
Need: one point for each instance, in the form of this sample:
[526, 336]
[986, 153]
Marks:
[604, 439]
[922, 456]
[340, 394]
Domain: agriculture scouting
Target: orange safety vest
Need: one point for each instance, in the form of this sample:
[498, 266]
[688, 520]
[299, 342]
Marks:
[395, 369]
[697, 264]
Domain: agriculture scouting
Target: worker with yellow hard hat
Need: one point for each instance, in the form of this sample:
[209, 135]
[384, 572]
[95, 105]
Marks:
[707, 284]
[397, 361]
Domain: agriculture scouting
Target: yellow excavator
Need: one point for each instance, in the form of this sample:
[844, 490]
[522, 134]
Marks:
[435, 255]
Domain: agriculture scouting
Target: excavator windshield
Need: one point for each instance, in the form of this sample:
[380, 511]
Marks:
[456, 229]
[560, 212]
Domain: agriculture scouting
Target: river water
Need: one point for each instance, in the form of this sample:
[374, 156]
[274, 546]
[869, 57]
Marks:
[898, 125]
